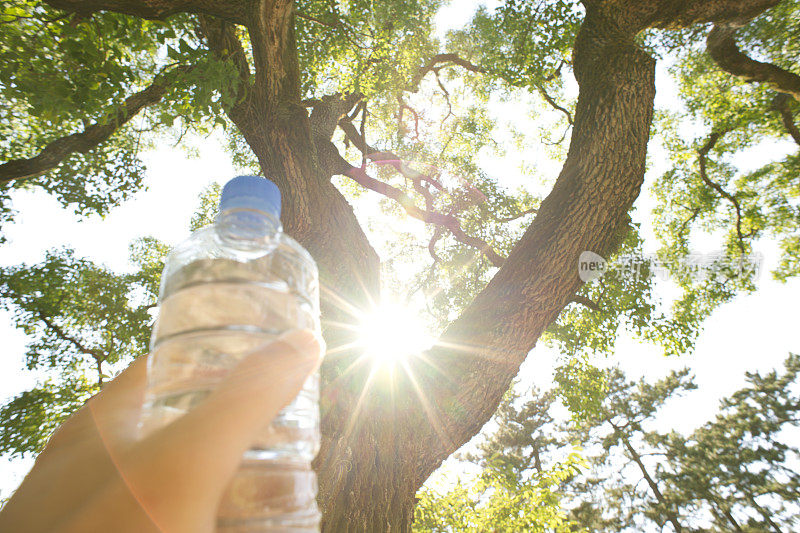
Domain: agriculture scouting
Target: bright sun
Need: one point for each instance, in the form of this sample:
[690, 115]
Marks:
[392, 333]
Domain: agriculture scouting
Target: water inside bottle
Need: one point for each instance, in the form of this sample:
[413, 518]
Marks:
[206, 325]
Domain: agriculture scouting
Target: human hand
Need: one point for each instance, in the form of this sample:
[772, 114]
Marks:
[94, 475]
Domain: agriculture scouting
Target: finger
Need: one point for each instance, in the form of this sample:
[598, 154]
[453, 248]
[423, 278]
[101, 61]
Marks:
[194, 457]
[256, 390]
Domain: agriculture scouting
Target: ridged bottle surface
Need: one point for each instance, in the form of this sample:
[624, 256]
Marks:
[230, 288]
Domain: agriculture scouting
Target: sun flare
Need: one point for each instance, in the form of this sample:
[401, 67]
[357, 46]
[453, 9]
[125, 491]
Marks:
[392, 332]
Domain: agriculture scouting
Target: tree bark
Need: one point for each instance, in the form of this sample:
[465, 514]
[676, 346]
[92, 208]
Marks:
[781, 104]
[230, 10]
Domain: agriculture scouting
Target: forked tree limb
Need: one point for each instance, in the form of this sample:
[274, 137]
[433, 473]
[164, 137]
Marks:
[453, 391]
[449, 222]
[442, 60]
[721, 45]
[56, 151]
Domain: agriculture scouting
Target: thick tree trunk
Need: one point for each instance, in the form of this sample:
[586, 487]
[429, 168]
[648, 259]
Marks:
[386, 447]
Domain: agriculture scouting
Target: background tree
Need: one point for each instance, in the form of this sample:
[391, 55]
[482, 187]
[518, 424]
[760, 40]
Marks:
[303, 88]
[733, 473]
[738, 468]
[524, 468]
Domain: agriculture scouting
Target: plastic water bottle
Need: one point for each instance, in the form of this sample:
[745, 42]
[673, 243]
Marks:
[229, 288]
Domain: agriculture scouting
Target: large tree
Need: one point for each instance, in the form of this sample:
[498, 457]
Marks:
[297, 86]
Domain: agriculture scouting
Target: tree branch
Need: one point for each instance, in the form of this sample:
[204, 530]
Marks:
[672, 516]
[702, 156]
[447, 60]
[222, 40]
[389, 158]
[721, 45]
[781, 104]
[339, 25]
[518, 215]
[586, 302]
[555, 105]
[429, 217]
[56, 151]
[233, 11]
[61, 334]
[675, 14]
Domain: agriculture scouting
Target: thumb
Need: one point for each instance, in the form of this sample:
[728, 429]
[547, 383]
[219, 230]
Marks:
[254, 392]
[210, 439]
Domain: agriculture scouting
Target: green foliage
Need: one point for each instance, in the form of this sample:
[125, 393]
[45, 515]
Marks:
[76, 312]
[358, 45]
[733, 473]
[626, 297]
[766, 190]
[28, 420]
[60, 73]
[495, 503]
[208, 208]
[523, 43]
[80, 318]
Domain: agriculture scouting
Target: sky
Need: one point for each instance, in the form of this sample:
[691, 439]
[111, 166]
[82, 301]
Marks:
[752, 333]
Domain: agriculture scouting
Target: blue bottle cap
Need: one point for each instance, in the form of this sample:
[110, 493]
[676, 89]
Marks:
[251, 192]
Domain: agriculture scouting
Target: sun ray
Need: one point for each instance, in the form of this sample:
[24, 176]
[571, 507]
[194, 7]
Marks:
[426, 406]
[343, 348]
[341, 302]
[431, 363]
[351, 368]
[351, 423]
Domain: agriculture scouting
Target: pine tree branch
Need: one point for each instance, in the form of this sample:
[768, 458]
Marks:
[721, 45]
[56, 151]
[671, 515]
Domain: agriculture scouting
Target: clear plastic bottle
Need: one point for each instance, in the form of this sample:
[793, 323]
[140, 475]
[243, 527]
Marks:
[229, 288]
